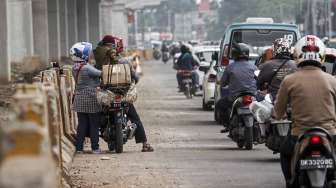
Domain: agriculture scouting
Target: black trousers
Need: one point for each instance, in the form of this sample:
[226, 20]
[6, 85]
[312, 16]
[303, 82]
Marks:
[140, 134]
[225, 105]
[88, 123]
[286, 154]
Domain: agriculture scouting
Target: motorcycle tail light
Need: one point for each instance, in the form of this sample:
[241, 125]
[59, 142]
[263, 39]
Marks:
[315, 139]
[212, 78]
[247, 100]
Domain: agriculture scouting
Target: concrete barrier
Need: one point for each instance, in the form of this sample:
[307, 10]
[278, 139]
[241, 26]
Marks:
[28, 157]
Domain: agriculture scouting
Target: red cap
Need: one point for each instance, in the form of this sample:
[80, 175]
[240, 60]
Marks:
[108, 39]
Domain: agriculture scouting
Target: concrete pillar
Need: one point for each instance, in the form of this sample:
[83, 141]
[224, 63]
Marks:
[40, 29]
[54, 30]
[5, 66]
[20, 30]
[72, 22]
[63, 20]
[94, 21]
[83, 20]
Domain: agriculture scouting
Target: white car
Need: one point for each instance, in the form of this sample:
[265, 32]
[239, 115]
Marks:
[209, 86]
[204, 56]
[207, 73]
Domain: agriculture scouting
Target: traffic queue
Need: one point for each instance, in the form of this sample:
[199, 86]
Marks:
[269, 85]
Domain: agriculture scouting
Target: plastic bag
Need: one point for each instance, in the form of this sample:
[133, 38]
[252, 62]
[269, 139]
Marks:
[131, 95]
[262, 111]
[105, 97]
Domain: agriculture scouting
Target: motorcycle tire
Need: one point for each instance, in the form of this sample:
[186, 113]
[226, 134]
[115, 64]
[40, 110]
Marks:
[248, 138]
[119, 139]
[240, 144]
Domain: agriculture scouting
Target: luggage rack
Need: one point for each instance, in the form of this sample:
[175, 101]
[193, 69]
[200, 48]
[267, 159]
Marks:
[117, 89]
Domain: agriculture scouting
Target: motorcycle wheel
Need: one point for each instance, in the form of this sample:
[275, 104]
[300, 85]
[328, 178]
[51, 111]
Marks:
[240, 144]
[249, 138]
[119, 143]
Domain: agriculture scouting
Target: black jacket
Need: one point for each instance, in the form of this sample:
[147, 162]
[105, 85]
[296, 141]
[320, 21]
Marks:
[270, 76]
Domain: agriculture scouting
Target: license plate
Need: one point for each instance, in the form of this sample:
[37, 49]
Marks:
[318, 163]
[116, 105]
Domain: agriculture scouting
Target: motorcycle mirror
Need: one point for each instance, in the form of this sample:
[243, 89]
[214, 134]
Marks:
[268, 98]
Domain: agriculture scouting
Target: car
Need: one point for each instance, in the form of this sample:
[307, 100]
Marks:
[209, 85]
[204, 56]
[256, 33]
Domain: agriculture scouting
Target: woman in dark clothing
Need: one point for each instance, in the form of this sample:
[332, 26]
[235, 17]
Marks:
[85, 101]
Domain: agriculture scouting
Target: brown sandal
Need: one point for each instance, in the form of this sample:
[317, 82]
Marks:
[147, 148]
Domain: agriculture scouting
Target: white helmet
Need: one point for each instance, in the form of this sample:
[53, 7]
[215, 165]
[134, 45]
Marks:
[310, 48]
[81, 51]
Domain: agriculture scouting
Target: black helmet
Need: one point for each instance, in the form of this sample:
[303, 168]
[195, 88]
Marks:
[240, 51]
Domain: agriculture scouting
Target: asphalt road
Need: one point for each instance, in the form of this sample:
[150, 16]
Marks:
[190, 151]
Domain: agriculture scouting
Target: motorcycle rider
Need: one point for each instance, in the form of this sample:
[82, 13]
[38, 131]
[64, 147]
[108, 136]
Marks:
[272, 72]
[114, 46]
[240, 79]
[311, 94]
[187, 62]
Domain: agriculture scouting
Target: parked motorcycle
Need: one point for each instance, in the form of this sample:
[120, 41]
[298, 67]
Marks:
[187, 84]
[116, 129]
[242, 127]
[165, 57]
[313, 163]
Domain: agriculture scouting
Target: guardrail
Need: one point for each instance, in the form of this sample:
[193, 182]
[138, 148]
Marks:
[37, 143]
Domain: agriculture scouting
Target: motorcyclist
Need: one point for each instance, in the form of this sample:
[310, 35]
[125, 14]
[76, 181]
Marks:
[164, 48]
[187, 62]
[311, 95]
[272, 72]
[112, 45]
[240, 79]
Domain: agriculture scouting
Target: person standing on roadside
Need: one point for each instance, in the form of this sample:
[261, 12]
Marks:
[113, 46]
[85, 100]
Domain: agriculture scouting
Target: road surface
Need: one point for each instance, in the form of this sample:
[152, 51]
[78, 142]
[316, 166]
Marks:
[189, 150]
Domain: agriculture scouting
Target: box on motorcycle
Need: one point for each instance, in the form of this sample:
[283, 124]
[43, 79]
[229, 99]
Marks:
[116, 75]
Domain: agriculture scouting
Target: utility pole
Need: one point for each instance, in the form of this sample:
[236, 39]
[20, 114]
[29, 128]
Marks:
[330, 18]
[313, 15]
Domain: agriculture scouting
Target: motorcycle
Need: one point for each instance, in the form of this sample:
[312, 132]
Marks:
[313, 162]
[165, 57]
[187, 84]
[116, 129]
[156, 54]
[242, 127]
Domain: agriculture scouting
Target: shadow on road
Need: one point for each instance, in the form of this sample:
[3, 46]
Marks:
[263, 160]
[198, 123]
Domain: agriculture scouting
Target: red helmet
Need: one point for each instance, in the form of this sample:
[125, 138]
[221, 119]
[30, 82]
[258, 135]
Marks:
[116, 42]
